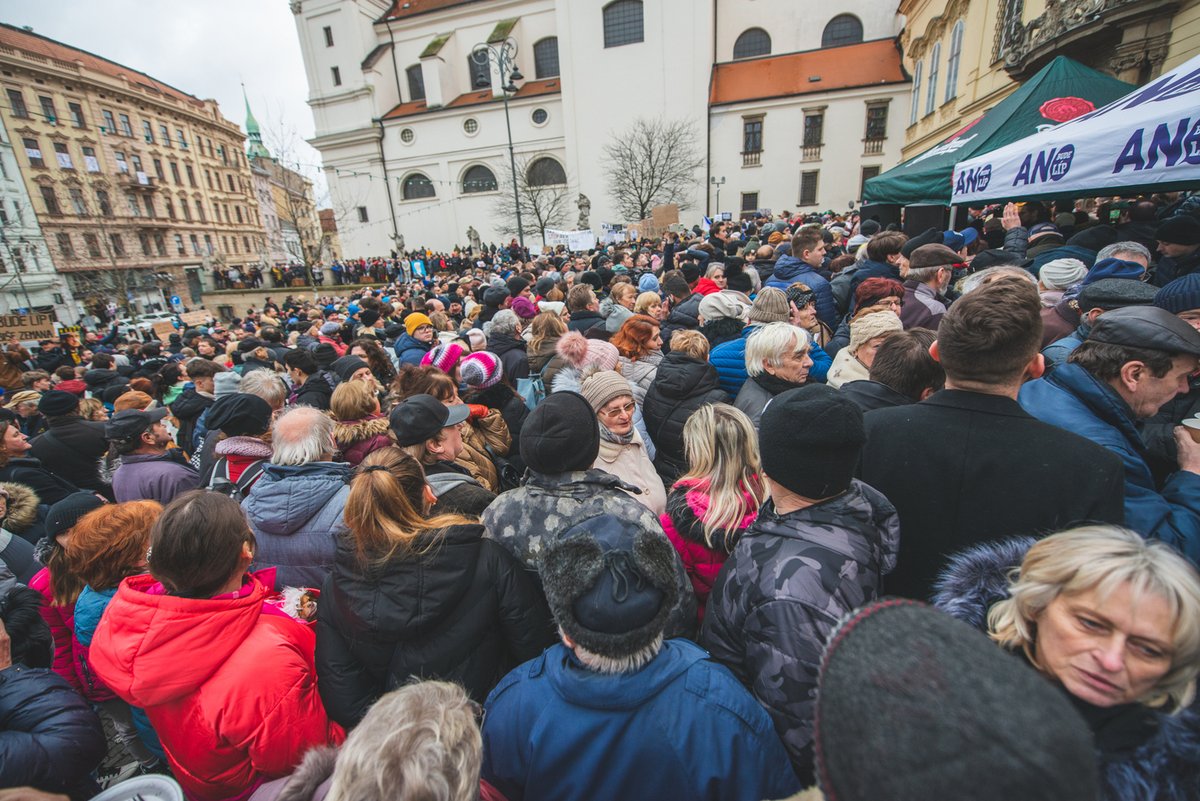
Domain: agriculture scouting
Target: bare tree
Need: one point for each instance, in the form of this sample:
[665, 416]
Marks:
[652, 162]
[543, 205]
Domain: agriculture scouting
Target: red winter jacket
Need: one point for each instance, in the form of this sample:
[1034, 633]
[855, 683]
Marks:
[230, 689]
[61, 620]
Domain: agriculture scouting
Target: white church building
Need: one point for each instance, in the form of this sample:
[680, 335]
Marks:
[793, 105]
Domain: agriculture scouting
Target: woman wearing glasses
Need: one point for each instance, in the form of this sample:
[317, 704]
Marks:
[622, 450]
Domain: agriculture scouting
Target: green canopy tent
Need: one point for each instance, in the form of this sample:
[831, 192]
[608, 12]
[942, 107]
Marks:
[1060, 91]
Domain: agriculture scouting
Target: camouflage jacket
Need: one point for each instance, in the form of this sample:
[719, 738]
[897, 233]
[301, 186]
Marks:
[523, 520]
[788, 582]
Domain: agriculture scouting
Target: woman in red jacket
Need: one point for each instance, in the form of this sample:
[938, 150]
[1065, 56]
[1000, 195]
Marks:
[228, 683]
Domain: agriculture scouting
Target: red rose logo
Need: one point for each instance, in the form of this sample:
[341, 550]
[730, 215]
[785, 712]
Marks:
[1061, 109]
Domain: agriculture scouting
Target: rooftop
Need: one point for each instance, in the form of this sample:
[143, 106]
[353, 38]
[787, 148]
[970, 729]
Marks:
[402, 9]
[874, 63]
[546, 86]
[45, 48]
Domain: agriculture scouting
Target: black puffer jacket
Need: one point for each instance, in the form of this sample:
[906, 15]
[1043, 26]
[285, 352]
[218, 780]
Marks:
[465, 611]
[684, 316]
[681, 386]
[187, 409]
[72, 449]
[511, 351]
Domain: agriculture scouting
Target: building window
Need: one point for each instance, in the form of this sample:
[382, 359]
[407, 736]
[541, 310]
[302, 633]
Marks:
[16, 101]
[417, 186]
[33, 152]
[77, 201]
[407, 136]
[623, 23]
[749, 201]
[814, 129]
[867, 174]
[51, 201]
[104, 203]
[160, 245]
[144, 241]
[470, 126]
[843, 29]
[539, 116]
[164, 134]
[64, 245]
[752, 141]
[119, 157]
[195, 244]
[90, 162]
[126, 125]
[808, 187]
[175, 173]
[229, 182]
[148, 202]
[182, 139]
[337, 75]
[916, 93]
[478, 179]
[148, 132]
[92, 243]
[110, 123]
[752, 42]
[208, 179]
[134, 209]
[546, 172]
[118, 245]
[481, 73]
[76, 115]
[877, 115]
[956, 37]
[208, 245]
[186, 209]
[179, 247]
[191, 174]
[362, 214]
[137, 165]
[328, 31]
[416, 82]
[238, 211]
[48, 111]
[158, 170]
[545, 58]
[170, 208]
[935, 56]
[200, 211]
[63, 156]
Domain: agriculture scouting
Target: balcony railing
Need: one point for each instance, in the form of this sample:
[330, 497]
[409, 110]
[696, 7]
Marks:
[810, 152]
[752, 158]
[872, 147]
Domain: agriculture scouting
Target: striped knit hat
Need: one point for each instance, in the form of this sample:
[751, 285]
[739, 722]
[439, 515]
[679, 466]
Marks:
[481, 370]
[444, 357]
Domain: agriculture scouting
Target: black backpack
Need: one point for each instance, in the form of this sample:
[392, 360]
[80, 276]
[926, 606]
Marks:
[238, 490]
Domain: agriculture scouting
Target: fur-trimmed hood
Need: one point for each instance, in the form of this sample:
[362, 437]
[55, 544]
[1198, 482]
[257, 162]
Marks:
[22, 507]
[309, 782]
[347, 432]
[978, 577]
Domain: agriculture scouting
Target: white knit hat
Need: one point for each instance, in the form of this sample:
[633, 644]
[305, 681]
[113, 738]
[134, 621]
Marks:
[872, 325]
[1062, 273]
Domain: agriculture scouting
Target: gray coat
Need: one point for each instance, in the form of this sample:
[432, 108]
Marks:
[752, 399]
[789, 581]
[296, 515]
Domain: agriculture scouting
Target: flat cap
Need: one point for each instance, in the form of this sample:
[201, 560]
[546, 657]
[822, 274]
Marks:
[1146, 327]
[1116, 293]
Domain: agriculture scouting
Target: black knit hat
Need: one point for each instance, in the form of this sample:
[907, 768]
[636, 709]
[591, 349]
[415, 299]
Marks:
[560, 435]
[240, 415]
[64, 514]
[347, 366]
[325, 354]
[56, 403]
[914, 705]
[815, 437]
[543, 286]
[1181, 229]
[516, 285]
[610, 584]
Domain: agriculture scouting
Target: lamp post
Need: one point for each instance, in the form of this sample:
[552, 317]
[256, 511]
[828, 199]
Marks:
[718, 185]
[503, 55]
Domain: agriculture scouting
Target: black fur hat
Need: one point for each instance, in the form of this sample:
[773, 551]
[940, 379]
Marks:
[32, 643]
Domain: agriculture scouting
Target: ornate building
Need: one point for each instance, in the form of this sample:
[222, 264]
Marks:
[964, 57]
[138, 188]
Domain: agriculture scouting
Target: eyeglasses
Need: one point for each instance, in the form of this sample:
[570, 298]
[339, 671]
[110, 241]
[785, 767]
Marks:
[610, 414]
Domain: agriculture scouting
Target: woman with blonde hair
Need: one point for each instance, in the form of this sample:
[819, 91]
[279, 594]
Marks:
[618, 306]
[649, 304]
[684, 382]
[417, 596]
[546, 329]
[718, 497]
[360, 427]
[1113, 620]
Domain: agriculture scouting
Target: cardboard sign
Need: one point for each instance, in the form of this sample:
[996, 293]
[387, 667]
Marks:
[164, 330]
[27, 327]
[194, 318]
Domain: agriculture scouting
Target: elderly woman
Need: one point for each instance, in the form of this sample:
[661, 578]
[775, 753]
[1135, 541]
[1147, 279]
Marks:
[618, 307]
[649, 304]
[640, 344]
[868, 330]
[776, 360]
[802, 313]
[622, 449]
[1112, 620]
[873, 292]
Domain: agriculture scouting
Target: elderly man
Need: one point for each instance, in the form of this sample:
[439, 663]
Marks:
[1135, 360]
[616, 709]
[777, 359]
[297, 504]
[149, 471]
[504, 340]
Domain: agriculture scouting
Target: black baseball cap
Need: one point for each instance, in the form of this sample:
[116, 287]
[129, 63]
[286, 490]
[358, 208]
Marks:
[421, 417]
[132, 422]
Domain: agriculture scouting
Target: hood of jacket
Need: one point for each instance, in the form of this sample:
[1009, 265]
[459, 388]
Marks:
[190, 404]
[140, 642]
[286, 497]
[620, 691]
[100, 377]
[581, 484]
[686, 313]
[680, 376]
[789, 268]
[406, 342]
[501, 344]
[22, 507]
[347, 432]
[976, 578]
[687, 504]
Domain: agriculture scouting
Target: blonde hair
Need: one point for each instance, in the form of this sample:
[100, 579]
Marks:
[418, 742]
[1103, 558]
[722, 453]
[645, 301]
[353, 400]
[546, 325]
[690, 343]
[88, 408]
[621, 290]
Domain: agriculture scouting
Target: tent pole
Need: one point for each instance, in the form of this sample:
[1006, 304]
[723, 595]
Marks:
[953, 215]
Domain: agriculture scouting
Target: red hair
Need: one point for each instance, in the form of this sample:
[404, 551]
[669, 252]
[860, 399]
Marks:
[110, 543]
[873, 290]
[633, 337]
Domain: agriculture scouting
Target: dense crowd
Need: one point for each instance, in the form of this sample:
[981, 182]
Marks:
[784, 507]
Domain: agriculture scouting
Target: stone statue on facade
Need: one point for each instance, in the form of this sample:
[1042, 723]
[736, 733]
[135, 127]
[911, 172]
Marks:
[473, 238]
[399, 240]
[585, 209]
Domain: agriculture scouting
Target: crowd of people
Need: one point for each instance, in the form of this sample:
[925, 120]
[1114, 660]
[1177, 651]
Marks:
[787, 507]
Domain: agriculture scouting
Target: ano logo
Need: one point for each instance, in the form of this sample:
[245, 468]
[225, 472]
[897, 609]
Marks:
[975, 179]
[1047, 165]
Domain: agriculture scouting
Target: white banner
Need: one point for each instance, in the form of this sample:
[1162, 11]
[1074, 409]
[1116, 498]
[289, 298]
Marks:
[571, 240]
[1149, 137]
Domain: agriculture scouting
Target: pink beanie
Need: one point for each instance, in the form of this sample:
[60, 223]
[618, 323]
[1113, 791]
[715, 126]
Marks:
[582, 352]
[523, 307]
[444, 357]
[481, 369]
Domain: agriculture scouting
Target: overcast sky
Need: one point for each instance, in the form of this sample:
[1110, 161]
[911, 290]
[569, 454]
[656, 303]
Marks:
[205, 48]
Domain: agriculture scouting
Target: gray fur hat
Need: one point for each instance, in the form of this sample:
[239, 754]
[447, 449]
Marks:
[610, 584]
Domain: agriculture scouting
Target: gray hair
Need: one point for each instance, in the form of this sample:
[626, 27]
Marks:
[505, 322]
[770, 343]
[302, 435]
[1128, 248]
[418, 742]
[986, 276]
[618, 664]
[266, 385]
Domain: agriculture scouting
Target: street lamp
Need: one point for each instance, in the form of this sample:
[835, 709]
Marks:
[503, 55]
[718, 185]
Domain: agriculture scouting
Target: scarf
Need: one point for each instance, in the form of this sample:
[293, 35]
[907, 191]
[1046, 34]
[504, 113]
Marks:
[616, 439]
[774, 384]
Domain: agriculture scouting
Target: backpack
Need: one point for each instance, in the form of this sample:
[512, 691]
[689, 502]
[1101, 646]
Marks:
[532, 389]
[238, 490]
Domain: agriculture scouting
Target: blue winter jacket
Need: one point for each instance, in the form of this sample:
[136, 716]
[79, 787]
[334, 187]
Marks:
[682, 727]
[789, 270]
[410, 350]
[296, 515]
[1058, 351]
[730, 360]
[1072, 399]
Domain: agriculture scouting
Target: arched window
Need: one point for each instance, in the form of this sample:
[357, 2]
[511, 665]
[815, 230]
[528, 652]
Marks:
[753, 42]
[956, 37]
[481, 74]
[416, 82]
[843, 29]
[916, 93]
[545, 172]
[417, 186]
[623, 23]
[545, 57]
[478, 179]
[935, 55]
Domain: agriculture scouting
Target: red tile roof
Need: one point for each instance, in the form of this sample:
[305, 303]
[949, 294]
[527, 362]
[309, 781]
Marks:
[546, 86]
[410, 8]
[874, 63]
[44, 47]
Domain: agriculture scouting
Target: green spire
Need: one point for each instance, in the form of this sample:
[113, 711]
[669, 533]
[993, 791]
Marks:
[256, 150]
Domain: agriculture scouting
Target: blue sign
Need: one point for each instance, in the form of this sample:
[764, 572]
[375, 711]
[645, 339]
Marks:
[174, 300]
